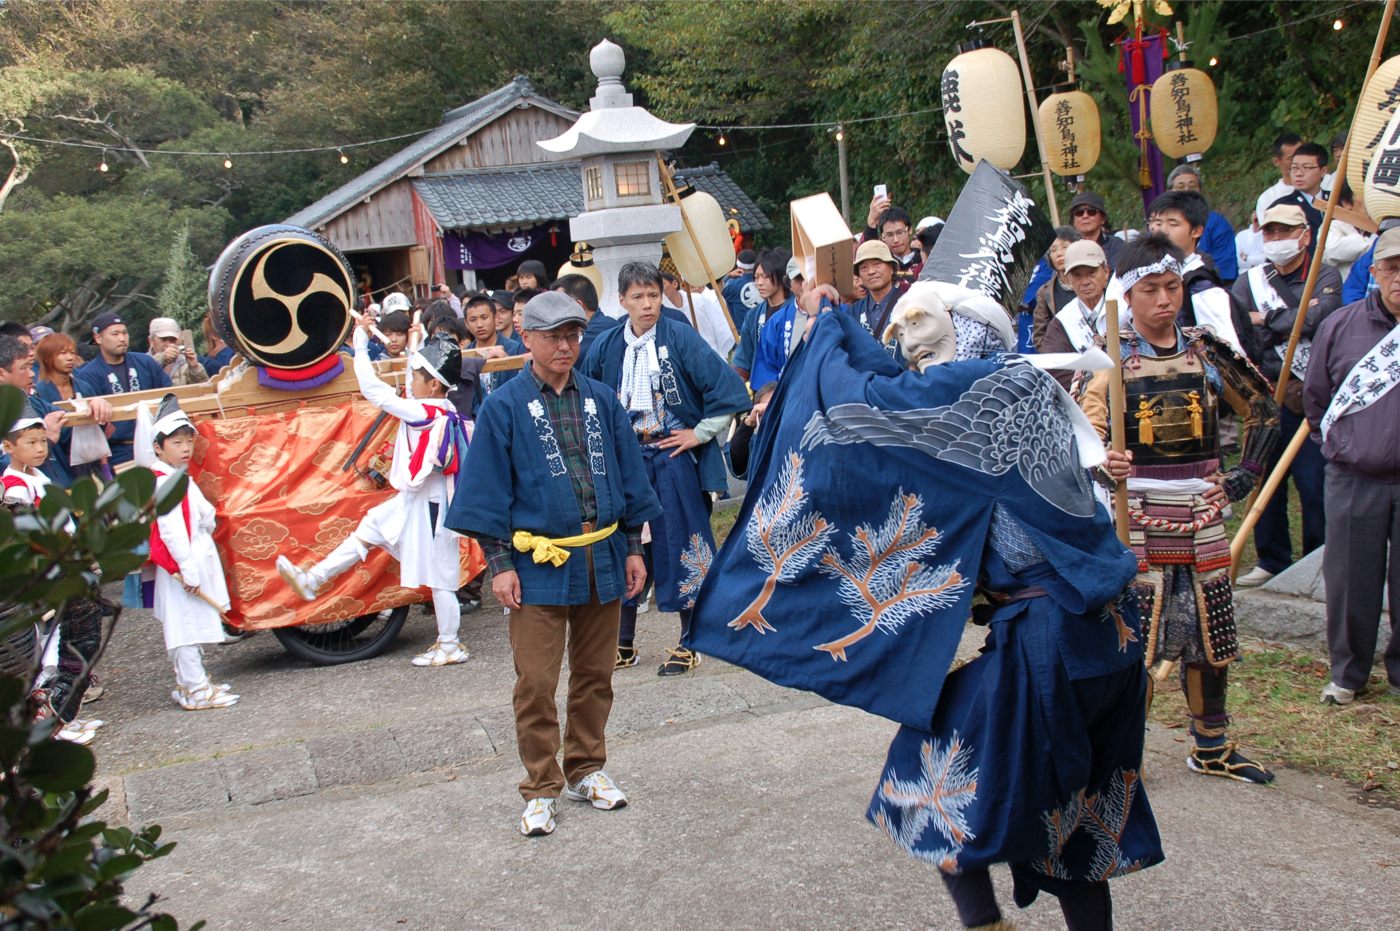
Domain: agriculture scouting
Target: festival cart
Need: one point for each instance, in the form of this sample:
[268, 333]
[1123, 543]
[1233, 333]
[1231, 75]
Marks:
[288, 451]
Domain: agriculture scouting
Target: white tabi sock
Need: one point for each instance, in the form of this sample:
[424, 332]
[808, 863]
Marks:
[449, 614]
[189, 667]
[350, 552]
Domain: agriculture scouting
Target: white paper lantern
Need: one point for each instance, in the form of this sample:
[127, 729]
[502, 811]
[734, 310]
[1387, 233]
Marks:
[1184, 113]
[1373, 111]
[581, 263]
[712, 239]
[1070, 133]
[1382, 184]
[982, 110]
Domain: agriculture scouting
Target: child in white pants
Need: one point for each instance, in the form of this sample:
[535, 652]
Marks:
[409, 525]
[190, 588]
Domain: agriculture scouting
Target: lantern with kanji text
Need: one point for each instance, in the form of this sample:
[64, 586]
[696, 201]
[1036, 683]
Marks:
[1377, 104]
[1069, 131]
[1184, 112]
[1382, 186]
[982, 109]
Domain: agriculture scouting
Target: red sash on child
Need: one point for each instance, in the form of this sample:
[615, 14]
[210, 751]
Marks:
[160, 553]
[14, 481]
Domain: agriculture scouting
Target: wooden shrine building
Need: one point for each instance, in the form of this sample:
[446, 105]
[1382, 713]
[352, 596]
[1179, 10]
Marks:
[469, 201]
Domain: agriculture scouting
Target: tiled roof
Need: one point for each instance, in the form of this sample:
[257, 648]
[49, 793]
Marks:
[494, 197]
[502, 196]
[456, 124]
[713, 181]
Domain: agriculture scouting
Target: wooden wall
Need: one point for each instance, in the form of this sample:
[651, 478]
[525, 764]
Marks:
[386, 222]
[508, 140]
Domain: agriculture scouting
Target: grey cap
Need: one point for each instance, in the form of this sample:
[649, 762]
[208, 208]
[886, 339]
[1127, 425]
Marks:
[550, 311]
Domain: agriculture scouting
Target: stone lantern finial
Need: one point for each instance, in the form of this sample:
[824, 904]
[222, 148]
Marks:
[608, 61]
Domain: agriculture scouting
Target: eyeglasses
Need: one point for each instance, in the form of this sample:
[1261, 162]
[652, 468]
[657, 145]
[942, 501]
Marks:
[1387, 270]
[573, 337]
[1296, 167]
[1083, 212]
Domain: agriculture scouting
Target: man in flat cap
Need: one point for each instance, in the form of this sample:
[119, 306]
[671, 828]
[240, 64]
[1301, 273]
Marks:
[555, 455]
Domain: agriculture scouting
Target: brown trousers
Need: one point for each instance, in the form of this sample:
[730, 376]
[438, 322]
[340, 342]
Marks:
[538, 634]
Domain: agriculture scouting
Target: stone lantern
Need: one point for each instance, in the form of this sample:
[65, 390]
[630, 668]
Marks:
[624, 217]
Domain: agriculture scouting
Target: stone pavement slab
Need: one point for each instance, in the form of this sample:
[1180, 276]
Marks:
[754, 822]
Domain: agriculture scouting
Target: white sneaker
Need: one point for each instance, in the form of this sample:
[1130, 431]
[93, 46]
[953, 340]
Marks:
[442, 654]
[538, 819]
[204, 699]
[298, 578]
[598, 790]
[1254, 578]
[1334, 694]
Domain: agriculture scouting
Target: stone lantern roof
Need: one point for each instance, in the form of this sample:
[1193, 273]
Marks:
[613, 125]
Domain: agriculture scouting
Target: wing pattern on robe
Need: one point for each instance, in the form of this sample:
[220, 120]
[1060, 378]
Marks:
[1007, 419]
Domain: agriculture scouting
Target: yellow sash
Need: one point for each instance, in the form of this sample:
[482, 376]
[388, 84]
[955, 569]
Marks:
[556, 551]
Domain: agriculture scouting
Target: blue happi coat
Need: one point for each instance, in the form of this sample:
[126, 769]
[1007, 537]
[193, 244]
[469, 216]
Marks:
[878, 500]
[514, 478]
[695, 382]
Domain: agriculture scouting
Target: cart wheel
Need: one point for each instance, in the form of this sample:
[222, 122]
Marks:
[346, 641]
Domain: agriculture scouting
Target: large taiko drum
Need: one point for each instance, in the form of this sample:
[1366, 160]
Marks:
[281, 297]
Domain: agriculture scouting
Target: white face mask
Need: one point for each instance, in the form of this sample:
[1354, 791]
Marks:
[1282, 251]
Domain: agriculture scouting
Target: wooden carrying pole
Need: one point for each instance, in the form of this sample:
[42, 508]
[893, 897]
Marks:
[1259, 499]
[675, 196]
[1117, 429]
[1035, 115]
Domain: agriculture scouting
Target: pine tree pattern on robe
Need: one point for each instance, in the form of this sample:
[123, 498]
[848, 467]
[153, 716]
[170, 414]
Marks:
[783, 537]
[886, 581]
[696, 559]
[1105, 816]
[936, 799]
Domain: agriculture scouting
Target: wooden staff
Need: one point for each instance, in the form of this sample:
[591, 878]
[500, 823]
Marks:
[1259, 498]
[1116, 428]
[1260, 501]
[199, 593]
[675, 196]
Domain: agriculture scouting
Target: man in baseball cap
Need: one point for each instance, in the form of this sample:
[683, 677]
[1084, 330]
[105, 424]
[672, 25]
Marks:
[1089, 215]
[555, 457]
[116, 371]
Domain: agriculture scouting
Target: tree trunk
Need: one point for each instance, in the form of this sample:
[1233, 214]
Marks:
[753, 614]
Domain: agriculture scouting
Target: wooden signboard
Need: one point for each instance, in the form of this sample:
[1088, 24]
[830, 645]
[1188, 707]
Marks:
[822, 243]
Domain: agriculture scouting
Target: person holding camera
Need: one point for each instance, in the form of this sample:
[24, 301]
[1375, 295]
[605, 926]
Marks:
[173, 353]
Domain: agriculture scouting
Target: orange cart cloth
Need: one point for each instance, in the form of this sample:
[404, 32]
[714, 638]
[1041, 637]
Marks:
[277, 484]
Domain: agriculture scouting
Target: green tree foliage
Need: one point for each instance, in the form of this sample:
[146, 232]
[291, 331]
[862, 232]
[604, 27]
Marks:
[184, 295]
[63, 867]
[142, 77]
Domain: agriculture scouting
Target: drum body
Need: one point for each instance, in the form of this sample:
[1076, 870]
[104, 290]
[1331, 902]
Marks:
[281, 297]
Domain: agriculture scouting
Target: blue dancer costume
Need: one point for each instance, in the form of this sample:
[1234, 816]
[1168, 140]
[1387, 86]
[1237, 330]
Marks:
[879, 500]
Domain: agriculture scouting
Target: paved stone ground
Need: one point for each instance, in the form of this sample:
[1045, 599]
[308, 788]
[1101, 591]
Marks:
[377, 795]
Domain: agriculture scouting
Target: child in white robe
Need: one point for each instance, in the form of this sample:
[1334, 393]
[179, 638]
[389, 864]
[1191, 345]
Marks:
[190, 589]
[410, 525]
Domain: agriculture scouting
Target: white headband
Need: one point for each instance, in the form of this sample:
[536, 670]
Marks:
[1166, 264]
[419, 361]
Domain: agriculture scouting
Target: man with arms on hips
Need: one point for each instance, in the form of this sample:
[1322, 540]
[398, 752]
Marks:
[555, 454]
[1354, 414]
[680, 398]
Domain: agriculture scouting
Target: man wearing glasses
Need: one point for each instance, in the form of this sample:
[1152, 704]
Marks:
[1348, 401]
[557, 498]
